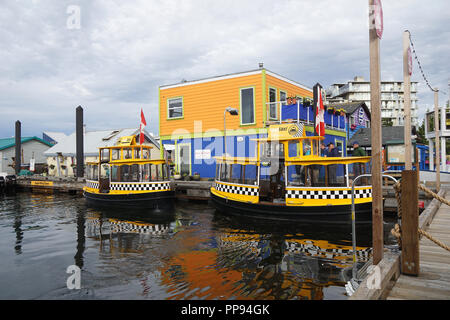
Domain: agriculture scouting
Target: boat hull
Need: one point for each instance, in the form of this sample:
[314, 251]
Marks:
[152, 200]
[337, 213]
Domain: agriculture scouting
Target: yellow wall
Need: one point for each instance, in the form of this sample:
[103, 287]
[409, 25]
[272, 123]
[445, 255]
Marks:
[290, 89]
[207, 101]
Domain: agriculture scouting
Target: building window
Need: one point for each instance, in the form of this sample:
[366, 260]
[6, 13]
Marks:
[283, 97]
[352, 120]
[247, 106]
[273, 104]
[175, 108]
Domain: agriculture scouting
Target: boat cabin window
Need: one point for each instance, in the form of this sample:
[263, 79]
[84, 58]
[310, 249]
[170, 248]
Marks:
[317, 175]
[115, 154]
[104, 155]
[271, 149]
[127, 153]
[139, 173]
[137, 153]
[310, 147]
[92, 172]
[237, 173]
[145, 153]
[104, 172]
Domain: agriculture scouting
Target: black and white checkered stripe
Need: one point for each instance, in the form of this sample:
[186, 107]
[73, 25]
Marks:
[300, 130]
[243, 190]
[140, 186]
[127, 227]
[92, 184]
[328, 194]
[316, 251]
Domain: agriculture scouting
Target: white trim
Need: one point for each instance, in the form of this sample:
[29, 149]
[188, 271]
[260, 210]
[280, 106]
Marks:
[234, 75]
[140, 182]
[270, 73]
[224, 77]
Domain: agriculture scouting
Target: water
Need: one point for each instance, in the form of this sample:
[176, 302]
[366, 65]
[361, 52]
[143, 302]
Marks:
[193, 252]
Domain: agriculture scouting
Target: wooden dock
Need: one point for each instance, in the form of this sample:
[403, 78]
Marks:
[433, 281]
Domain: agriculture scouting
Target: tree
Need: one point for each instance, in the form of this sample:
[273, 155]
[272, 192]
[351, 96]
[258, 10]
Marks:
[387, 122]
[421, 134]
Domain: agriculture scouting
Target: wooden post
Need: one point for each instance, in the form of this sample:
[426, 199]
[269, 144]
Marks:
[18, 139]
[375, 106]
[437, 140]
[410, 223]
[407, 101]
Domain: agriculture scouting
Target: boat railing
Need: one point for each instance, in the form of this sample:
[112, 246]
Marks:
[278, 118]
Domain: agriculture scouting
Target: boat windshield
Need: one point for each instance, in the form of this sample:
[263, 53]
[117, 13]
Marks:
[334, 175]
[147, 172]
[92, 172]
[237, 173]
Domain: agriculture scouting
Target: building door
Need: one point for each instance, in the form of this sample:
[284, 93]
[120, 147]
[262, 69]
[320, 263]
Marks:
[184, 158]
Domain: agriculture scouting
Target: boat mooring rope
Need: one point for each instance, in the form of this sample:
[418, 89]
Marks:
[397, 232]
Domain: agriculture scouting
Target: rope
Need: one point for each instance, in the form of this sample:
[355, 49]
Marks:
[429, 236]
[397, 232]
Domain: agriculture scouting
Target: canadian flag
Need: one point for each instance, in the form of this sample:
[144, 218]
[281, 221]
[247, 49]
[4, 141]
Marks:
[141, 128]
[319, 111]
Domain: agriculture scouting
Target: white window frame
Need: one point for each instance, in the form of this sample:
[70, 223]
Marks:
[168, 108]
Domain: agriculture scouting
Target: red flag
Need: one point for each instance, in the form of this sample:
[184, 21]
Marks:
[320, 110]
[141, 128]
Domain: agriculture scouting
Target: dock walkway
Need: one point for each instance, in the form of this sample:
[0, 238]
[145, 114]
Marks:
[433, 281]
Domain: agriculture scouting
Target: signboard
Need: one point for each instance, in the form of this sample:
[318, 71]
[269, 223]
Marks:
[42, 183]
[395, 154]
[285, 131]
[203, 154]
[378, 16]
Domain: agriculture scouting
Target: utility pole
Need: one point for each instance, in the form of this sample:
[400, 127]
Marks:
[375, 31]
[407, 99]
[437, 139]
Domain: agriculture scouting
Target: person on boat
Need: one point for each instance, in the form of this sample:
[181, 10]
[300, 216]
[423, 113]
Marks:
[357, 152]
[332, 152]
[323, 150]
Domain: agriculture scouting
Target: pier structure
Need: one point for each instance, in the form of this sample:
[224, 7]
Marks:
[420, 270]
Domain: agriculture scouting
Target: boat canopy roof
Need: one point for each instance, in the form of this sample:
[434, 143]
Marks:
[129, 162]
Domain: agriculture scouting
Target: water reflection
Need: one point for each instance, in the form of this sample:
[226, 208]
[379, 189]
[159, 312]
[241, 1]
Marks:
[191, 252]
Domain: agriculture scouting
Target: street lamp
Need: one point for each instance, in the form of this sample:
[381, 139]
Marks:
[233, 112]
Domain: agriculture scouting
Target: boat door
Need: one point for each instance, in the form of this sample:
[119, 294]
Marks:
[104, 180]
[183, 157]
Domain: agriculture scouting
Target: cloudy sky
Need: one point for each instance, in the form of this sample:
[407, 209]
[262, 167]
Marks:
[114, 58]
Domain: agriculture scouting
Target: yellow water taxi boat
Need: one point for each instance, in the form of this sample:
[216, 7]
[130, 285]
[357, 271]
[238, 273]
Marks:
[290, 178]
[125, 175]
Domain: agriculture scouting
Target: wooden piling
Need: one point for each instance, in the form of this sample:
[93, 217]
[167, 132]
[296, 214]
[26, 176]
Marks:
[410, 223]
[79, 142]
[18, 140]
[407, 100]
[375, 105]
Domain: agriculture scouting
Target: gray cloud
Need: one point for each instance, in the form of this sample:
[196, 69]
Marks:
[124, 50]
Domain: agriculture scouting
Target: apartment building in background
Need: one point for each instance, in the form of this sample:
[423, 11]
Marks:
[392, 108]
